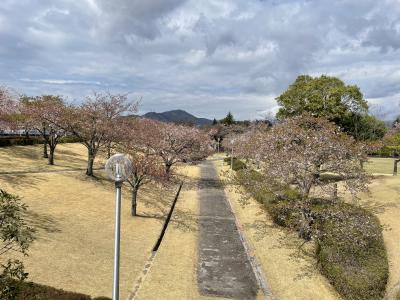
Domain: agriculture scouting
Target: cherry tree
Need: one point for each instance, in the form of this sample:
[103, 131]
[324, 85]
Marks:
[44, 114]
[301, 150]
[178, 143]
[8, 106]
[95, 121]
[133, 137]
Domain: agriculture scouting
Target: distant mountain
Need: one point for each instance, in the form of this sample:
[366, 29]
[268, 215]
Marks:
[177, 116]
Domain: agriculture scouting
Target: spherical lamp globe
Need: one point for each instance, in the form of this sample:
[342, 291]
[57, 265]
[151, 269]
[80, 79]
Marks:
[118, 167]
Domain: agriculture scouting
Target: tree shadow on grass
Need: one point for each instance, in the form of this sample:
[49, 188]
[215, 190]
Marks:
[302, 254]
[42, 222]
[377, 207]
[23, 181]
[151, 216]
[184, 220]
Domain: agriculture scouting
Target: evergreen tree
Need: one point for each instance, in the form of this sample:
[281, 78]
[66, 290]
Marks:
[228, 120]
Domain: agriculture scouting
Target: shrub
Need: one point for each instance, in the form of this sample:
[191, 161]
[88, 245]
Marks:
[32, 290]
[16, 237]
[70, 139]
[23, 141]
[350, 246]
[351, 252]
[237, 163]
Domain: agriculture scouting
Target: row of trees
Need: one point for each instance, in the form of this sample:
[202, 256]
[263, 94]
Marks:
[102, 123]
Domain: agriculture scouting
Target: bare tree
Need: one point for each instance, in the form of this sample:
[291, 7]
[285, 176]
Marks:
[44, 114]
[95, 120]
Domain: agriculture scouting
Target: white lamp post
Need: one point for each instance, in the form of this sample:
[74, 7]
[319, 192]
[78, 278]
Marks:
[232, 142]
[118, 169]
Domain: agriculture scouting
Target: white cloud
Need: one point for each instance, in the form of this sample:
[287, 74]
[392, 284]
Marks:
[204, 56]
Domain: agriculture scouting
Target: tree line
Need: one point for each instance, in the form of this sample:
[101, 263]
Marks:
[103, 123]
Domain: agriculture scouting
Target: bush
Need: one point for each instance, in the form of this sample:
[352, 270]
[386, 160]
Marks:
[16, 237]
[23, 141]
[237, 163]
[31, 291]
[70, 139]
[350, 247]
[351, 252]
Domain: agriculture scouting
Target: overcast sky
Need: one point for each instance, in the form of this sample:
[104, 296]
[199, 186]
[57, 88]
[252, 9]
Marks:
[204, 56]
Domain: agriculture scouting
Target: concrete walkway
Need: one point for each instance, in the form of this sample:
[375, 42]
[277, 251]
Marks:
[223, 265]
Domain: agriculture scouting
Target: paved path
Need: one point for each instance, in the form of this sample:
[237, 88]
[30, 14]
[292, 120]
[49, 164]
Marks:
[223, 265]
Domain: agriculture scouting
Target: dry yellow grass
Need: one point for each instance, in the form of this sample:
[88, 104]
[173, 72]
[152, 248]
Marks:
[377, 165]
[289, 275]
[74, 216]
[384, 200]
[30, 158]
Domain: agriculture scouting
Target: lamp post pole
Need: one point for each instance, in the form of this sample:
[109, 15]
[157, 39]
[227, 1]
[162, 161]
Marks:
[115, 291]
[118, 168]
[232, 142]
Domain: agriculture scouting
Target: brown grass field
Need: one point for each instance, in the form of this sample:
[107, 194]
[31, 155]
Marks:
[74, 218]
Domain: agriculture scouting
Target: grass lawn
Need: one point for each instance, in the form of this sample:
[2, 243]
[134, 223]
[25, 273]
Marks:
[377, 165]
[30, 158]
[74, 216]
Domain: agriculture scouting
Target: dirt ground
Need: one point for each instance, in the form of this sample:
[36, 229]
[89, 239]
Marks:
[74, 216]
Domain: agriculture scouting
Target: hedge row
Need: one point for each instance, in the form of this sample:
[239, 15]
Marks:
[22, 141]
[350, 248]
[32, 291]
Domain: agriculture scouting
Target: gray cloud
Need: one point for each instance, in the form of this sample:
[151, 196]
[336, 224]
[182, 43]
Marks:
[204, 56]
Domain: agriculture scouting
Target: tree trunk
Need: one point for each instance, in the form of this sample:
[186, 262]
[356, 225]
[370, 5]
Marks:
[45, 155]
[395, 162]
[134, 202]
[89, 169]
[168, 168]
[51, 155]
[108, 150]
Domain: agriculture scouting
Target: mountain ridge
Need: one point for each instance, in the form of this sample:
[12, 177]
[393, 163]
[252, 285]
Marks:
[177, 116]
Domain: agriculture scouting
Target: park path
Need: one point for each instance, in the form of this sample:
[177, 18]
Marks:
[224, 268]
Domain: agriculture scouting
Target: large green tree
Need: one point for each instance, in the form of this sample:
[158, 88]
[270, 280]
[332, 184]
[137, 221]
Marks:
[330, 97]
[322, 96]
